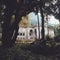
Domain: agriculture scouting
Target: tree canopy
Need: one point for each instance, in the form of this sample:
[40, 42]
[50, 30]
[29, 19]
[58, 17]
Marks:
[21, 8]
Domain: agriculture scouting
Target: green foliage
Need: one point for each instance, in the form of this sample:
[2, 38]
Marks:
[0, 29]
[16, 53]
[57, 31]
[0, 13]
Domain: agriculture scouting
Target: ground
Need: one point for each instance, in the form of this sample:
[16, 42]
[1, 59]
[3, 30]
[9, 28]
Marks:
[17, 53]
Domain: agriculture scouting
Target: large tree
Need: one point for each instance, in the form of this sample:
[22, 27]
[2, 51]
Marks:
[20, 8]
[7, 28]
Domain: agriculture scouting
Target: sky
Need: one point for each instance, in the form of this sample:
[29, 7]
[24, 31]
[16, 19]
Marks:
[53, 21]
[33, 19]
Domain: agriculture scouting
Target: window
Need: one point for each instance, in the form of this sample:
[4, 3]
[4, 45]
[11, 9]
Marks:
[35, 31]
[21, 34]
[31, 32]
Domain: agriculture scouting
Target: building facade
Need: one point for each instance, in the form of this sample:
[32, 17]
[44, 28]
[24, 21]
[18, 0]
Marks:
[31, 33]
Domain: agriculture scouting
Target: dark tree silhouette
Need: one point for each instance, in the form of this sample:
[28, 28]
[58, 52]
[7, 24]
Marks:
[18, 8]
[7, 29]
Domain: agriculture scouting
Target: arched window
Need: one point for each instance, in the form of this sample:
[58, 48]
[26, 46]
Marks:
[31, 32]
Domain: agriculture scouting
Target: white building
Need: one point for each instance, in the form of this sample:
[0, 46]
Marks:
[48, 31]
[30, 33]
[26, 33]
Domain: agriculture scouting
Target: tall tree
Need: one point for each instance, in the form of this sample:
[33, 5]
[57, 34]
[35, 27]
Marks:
[9, 31]
[19, 8]
[11, 6]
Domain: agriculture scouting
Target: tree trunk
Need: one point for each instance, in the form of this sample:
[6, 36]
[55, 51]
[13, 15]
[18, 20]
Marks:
[41, 10]
[38, 25]
[7, 28]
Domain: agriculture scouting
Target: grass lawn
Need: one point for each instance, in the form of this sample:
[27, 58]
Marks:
[16, 53]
